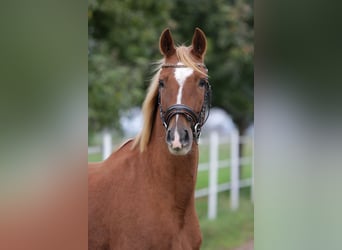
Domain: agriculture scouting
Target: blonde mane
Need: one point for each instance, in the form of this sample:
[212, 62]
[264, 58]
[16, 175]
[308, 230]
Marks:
[150, 103]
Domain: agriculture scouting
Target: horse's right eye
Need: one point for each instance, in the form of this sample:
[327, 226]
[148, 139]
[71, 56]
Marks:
[161, 84]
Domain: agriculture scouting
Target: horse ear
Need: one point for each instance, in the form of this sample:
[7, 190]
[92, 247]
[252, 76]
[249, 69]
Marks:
[166, 44]
[199, 43]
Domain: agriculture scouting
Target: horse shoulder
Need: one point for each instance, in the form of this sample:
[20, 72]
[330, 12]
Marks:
[108, 184]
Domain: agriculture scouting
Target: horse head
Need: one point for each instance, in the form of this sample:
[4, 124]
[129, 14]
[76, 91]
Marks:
[184, 91]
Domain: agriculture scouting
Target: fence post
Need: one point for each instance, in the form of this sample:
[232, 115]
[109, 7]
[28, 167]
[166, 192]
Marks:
[213, 168]
[234, 170]
[106, 144]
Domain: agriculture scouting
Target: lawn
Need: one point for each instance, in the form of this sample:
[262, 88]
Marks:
[231, 228]
[95, 157]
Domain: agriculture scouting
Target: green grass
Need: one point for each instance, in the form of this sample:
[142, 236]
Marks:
[95, 157]
[231, 228]
[203, 178]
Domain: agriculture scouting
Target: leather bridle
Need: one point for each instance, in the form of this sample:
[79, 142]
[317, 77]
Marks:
[197, 119]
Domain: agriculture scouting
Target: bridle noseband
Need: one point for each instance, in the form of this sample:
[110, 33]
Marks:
[196, 119]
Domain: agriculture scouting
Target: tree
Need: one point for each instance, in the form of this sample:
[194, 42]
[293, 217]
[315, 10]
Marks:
[122, 39]
[229, 29]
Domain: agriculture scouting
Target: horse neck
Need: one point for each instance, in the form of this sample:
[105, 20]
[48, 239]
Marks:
[176, 174]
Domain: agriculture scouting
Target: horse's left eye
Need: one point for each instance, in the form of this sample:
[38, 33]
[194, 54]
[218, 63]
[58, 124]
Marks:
[202, 83]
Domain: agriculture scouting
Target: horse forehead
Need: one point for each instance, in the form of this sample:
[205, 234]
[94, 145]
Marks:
[181, 74]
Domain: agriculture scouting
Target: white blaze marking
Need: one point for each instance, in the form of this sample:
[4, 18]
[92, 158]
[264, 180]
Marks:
[176, 143]
[181, 74]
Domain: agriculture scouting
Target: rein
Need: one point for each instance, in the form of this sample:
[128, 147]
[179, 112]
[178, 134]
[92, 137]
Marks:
[197, 119]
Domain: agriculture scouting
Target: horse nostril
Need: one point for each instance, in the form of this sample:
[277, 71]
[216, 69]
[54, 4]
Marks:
[186, 136]
[168, 136]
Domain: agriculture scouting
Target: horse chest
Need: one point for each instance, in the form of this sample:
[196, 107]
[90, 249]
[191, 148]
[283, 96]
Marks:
[156, 226]
[156, 238]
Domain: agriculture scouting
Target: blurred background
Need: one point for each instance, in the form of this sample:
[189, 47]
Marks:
[45, 50]
[122, 45]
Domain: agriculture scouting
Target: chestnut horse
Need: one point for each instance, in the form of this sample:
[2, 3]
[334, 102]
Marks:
[142, 196]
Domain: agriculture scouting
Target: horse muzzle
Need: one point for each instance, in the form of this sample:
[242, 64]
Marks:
[179, 136]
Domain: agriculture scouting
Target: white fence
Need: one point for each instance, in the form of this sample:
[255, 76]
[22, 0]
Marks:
[233, 162]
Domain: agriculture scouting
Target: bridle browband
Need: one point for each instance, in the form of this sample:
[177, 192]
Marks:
[172, 65]
[197, 119]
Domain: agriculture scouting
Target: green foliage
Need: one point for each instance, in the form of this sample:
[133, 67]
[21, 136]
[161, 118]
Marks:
[229, 29]
[105, 98]
[123, 41]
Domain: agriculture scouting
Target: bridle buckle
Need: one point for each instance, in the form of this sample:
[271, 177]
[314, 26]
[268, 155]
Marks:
[197, 132]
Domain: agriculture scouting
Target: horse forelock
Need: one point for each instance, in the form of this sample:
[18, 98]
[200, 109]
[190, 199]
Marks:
[151, 100]
[184, 56]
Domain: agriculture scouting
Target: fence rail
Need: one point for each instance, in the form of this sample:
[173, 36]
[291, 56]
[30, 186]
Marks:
[234, 162]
